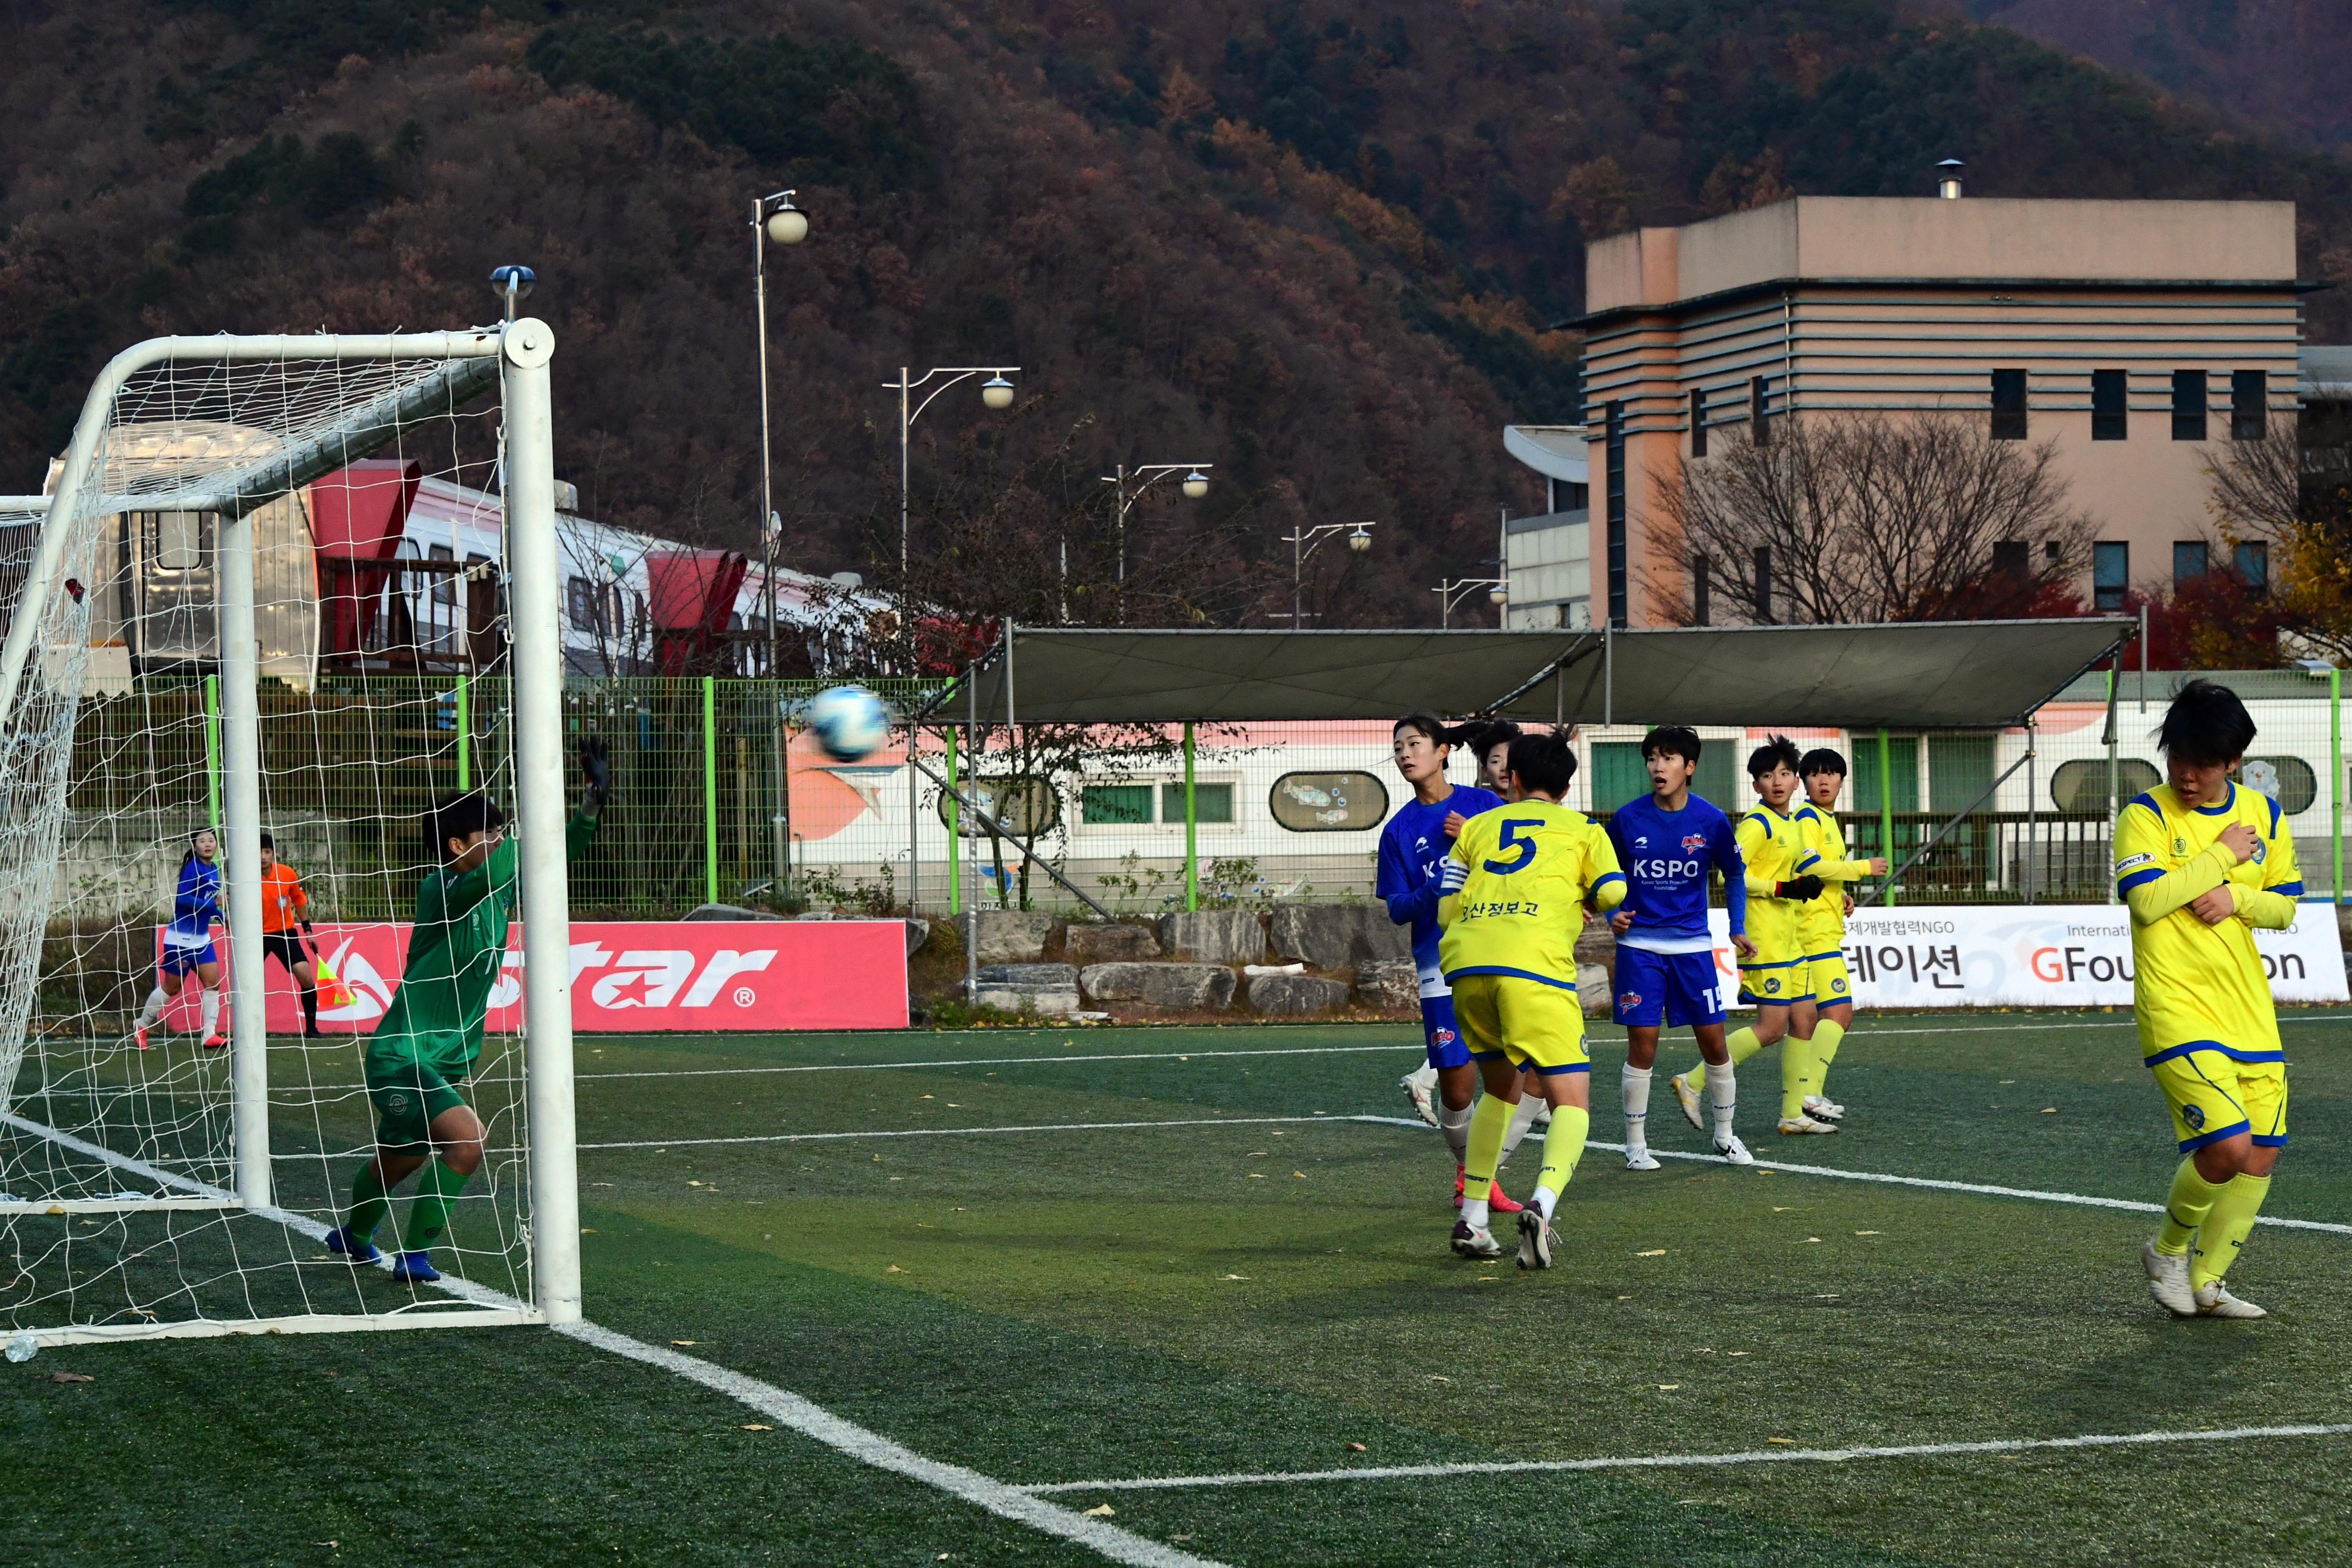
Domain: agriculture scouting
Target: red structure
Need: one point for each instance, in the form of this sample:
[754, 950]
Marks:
[693, 595]
[357, 516]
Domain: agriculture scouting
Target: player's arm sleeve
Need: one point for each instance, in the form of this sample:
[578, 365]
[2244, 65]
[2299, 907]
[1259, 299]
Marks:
[1606, 885]
[2152, 893]
[2272, 907]
[1407, 895]
[1750, 835]
[1735, 880]
[578, 834]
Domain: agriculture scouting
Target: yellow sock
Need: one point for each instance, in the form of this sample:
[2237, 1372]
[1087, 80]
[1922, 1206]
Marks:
[1801, 1074]
[1827, 1033]
[2226, 1227]
[1488, 1122]
[1563, 1147]
[1742, 1043]
[2185, 1207]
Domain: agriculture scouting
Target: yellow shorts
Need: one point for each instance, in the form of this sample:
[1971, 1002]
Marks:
[1826, 978]
[1529, 1022]
[2214, 1096]
[1773, 979]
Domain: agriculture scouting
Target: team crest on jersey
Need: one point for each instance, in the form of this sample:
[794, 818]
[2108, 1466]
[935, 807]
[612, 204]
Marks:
[2181, 846]
[1774, 984]
[1629, 1000]
[396, 1101]
[2193, 1114]
[1443, 1037]
[1839, 984]
[1642, 842]
[2261, 849]
[1694, 840]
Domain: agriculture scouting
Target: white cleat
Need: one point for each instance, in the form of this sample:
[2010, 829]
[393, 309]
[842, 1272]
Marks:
[1537, 1238]
[1791, 1126]
[1821, 1108]
[1640, 1159]
[1420, 1087]
[1476, 1241]
[1733, 1151]
[2213, 1300]
[2168, 1280]
[1687, 1097]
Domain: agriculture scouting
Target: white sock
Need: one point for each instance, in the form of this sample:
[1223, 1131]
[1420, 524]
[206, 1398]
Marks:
[1456, 1125]
[1523, 1116]
[1633, 1083]
[157, 1000]
[1474, 1213]
[1723, 1094]
[1544, 1199]
[212, 1013]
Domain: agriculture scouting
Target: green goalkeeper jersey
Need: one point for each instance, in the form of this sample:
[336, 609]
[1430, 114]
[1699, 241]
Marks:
[455, 952]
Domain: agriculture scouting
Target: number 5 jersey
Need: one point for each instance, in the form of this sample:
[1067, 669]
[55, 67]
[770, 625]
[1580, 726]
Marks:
[1515, 887]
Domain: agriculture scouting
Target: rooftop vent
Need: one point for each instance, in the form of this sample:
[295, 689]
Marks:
[1947, 179]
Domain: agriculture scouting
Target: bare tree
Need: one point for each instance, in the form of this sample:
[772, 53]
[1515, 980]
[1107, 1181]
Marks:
[2294, 496]
[1852, 518]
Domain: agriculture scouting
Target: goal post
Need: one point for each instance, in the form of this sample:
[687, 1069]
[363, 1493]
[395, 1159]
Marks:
[228, 431]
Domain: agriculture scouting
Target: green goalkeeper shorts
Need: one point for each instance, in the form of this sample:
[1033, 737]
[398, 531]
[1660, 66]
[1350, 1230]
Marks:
[408, 1094]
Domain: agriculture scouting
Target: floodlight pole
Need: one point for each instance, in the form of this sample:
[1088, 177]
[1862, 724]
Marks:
[1149, 474]
[1303, 542]
[1449, 592]
[905, 386]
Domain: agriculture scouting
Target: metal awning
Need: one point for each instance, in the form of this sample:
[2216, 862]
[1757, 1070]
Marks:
[1933, 674]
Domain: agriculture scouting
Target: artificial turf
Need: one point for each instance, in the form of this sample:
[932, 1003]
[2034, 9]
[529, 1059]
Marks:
[1261, 1296]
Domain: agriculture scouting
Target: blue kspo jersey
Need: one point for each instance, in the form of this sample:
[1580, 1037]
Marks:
[195, 903]
[1414, 847]
[1666, 855]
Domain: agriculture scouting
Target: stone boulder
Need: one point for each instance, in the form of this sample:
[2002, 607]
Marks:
[1012, 936]
[1099, 942]
[1193, 987]
[1296, 993]
[1593, 989]
[1392, 984]
[1213, 936]
[1028, 987]
[1334, 936]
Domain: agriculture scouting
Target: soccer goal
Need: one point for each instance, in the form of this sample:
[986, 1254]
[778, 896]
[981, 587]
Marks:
[215, 627]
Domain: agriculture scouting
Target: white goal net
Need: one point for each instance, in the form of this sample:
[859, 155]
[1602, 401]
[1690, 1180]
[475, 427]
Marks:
[235, 675]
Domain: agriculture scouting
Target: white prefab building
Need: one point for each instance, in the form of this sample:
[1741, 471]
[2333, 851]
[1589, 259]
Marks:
[1548, 558]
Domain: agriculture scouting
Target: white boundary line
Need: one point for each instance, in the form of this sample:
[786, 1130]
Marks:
[1685, 1461]
[963, 1132]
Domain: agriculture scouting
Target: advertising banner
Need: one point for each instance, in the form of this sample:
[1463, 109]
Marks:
[635, 977]
[2045, 956]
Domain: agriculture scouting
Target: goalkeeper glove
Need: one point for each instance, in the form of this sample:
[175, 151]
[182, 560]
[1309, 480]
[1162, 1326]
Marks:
[596, 765]
[1803, 889]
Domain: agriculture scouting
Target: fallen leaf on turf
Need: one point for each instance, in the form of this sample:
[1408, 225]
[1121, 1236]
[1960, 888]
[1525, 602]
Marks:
[1735, 1353]
[1826, 1296]
[1236, 1275]
[2009, 1080]
[2049, 1110]
[755, 1426]
[1762, 1172]
[1488, 1279]
[1255, 1176]
[1812, 1238]
[587, 1230]
[71, 1377]
[1355, 1447]
[1300, 1174]
[694, 1183]
[685, 1342]
[924, 1097]
[953, 1106]
[1668, 1387]
[1434, 1378]
[1105, 1512]
[1865, 1233]
[1625, 1297]
[894, 1268]
[1781, 1208]
[1780, 1439]
[1653, 1252]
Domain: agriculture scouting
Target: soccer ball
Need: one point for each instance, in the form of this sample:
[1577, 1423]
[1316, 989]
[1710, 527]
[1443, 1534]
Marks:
[850, 723]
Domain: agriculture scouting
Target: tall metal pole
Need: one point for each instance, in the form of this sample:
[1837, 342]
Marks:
[904, 388]
[526, 347]
[1120, 493]
[971, 922]
[1191, 829]
[241, 775]
[1887, 812]
[2336, 781]
[767, 486]
[1296, 568]
[2030, 810]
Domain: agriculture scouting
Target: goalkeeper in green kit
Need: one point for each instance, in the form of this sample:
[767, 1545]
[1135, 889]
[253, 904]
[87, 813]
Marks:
[424, 1046]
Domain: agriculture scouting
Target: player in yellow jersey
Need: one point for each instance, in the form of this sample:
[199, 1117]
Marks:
[1819, 1025]
[1773, 978]
[1517, 884]
[2202, 862]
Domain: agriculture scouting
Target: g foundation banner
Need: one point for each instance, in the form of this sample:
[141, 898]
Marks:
[702, 976]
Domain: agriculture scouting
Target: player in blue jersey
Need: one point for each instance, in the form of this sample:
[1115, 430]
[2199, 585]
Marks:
[1668, 842]
[1413, 848]
[188, 940]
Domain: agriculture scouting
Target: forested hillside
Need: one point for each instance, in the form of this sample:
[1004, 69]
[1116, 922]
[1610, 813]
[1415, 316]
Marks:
[1324, 246]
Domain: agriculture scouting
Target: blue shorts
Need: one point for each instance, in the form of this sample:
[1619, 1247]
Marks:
[184, 960]
[1677, 988]
[1441, 1036]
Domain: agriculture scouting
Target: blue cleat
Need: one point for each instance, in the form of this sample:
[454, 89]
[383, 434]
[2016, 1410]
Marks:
[341, 1242]
[417, 1267]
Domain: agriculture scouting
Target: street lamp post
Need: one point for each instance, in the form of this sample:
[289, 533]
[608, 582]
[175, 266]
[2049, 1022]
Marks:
[1303, 542]
[995, 393]
[1449, 594]
[1142, 477]
[774, 217]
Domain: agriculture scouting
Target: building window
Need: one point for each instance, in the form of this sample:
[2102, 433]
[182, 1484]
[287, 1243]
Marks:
[2009, 405]
[2009, 558]
[1760, 410]
[580, 603]
[2110, 411]
[1213, 803]
[1764, 584]
[1615, 449]
[1698, 590]
[445, 584]
[177, 540]
[2254, 563]
[2250, 396]
[2188, 406]
[2110, 575]
[1698, 421]
[1115, 805]
[2188, 561]
[1328, 802]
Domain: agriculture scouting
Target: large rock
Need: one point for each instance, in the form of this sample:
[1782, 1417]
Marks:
[1012, 936]
[1391, 984]
[1028, 987]
[1194, 987]
[1593, 989]
[1334, 936]
[1213, 936]
[1296, 993]
[1097, 941]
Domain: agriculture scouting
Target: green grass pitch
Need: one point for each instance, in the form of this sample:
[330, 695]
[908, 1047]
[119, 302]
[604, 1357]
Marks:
[1260, 1296]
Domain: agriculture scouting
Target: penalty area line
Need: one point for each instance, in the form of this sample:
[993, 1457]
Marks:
[1689, 1461]
[976, 1131]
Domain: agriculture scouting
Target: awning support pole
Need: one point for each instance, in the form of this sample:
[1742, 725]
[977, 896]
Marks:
[1192, 829]
[2114, 680]
[1885, 816]
[1609, 672]
[2031, 818]
[994, 826]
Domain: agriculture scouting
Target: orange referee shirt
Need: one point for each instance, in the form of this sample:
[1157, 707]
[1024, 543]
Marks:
[282, 898]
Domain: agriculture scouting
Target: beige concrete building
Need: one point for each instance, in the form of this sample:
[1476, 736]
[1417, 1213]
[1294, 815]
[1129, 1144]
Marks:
[2136, 333]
